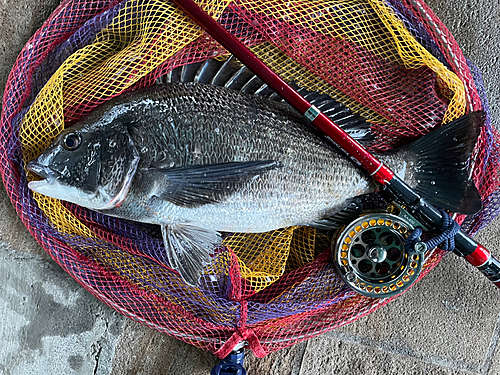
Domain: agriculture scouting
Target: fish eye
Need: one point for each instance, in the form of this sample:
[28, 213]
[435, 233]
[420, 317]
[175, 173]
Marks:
[71, 141]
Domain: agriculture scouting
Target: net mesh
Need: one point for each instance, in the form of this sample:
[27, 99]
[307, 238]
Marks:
[391, 61]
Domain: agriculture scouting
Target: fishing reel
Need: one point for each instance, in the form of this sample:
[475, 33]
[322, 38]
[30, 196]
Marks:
[370, 254]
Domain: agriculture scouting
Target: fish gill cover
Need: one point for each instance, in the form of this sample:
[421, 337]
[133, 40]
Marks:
[392, 62]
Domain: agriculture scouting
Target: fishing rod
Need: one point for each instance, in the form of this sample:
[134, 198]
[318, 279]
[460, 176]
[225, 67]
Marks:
[426, 213]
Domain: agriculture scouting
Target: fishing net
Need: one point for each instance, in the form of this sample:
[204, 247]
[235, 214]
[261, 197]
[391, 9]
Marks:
[391, 61]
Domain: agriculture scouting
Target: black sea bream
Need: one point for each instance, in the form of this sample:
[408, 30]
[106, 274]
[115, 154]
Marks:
[198, 159]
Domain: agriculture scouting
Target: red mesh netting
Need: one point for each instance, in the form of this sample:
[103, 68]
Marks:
[392, 62]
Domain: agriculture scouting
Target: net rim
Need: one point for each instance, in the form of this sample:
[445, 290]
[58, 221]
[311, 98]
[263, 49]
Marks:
[14, 181]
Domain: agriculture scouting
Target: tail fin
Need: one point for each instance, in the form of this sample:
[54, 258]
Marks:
[442, 157]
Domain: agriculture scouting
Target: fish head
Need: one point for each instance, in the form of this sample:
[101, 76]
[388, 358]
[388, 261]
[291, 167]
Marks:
[87, 165]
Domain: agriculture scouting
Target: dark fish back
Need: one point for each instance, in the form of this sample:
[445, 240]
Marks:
[192, 124]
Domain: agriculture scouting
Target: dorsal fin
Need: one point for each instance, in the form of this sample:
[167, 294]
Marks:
[236, 76]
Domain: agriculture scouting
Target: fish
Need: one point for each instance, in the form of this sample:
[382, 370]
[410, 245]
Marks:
[198, 158]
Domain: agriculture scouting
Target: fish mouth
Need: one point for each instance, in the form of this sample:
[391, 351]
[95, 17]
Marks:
[48, 174]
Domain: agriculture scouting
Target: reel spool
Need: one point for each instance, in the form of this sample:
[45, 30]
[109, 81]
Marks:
[371, 258]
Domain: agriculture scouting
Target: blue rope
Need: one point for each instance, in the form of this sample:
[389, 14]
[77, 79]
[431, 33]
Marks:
[412, 239]
[446, 238]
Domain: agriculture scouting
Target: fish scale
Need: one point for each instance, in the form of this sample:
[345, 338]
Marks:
[310, 182]
[199, 159]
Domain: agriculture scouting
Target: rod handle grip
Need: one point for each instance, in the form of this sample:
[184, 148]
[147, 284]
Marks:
[482, 259]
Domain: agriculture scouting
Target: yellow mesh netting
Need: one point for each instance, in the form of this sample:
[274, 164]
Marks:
[125, 52]
[377, 29]
[265, 257]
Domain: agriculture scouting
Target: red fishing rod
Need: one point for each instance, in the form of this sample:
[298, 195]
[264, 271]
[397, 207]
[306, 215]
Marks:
[472, 251]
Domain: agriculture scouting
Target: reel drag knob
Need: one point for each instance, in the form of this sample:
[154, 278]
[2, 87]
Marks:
[371, 258]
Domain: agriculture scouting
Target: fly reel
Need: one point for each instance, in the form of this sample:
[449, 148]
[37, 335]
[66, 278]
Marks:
[371, 258]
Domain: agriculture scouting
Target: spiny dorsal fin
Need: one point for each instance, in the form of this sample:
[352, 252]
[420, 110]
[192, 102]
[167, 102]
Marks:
[236, 76]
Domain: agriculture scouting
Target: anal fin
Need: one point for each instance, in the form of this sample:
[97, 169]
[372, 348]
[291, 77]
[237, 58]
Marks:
[341, 218]
[188, 248]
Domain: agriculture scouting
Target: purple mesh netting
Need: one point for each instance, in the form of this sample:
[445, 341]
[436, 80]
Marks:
[491, 205]
[416, 29]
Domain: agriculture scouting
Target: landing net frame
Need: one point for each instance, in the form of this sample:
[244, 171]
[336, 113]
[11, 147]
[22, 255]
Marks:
[53, 84]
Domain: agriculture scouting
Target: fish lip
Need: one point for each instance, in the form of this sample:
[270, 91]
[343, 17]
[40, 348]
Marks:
[43, 171]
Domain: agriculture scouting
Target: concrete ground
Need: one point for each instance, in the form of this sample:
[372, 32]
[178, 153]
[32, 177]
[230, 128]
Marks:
[447, 324]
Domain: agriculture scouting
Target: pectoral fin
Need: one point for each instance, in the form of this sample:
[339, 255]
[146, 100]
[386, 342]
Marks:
[188, 248]
[198, 185]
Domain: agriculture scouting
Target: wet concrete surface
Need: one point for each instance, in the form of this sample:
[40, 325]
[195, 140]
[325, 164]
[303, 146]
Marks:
[446, 324]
